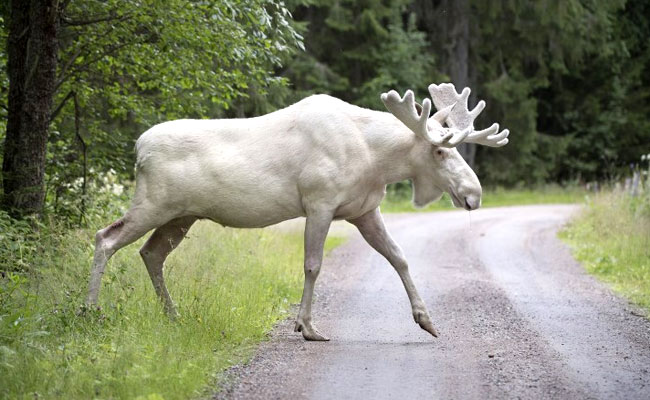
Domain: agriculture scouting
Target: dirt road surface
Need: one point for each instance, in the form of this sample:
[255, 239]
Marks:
[517, 317]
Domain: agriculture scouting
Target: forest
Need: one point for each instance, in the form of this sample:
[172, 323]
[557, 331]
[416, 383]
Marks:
[569, 78]
[81, 80]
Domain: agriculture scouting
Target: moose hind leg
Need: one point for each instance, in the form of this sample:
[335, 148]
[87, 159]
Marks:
[126, 230]
[154, 252]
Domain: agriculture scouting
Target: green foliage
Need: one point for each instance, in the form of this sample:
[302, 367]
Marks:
[164, 60]
[4, 81]
[356, 50]
[19, 242]
[612, 239]
[24, 243]
[554, 70]
[231, 287]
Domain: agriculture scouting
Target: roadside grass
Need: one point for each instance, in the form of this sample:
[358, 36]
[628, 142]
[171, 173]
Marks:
[611, 238]
[492, 197]
[231, 286]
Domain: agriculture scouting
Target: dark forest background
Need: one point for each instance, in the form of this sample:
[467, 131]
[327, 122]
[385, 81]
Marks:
[81, 80]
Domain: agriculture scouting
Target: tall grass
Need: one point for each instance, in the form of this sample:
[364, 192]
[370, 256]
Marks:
[612, 239]
[400, 201]
[231, 287]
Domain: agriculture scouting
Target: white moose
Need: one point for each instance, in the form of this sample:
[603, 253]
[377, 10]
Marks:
[320, 158]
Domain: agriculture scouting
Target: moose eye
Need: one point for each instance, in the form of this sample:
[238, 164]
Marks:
[440, 152]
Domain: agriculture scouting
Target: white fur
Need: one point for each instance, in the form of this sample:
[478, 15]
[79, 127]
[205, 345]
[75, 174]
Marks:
[318, 153]
[321, 158]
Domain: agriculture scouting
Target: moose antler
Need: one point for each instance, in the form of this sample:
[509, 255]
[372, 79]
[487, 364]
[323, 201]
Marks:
[405, 110]
[462, 118]
[452, 110]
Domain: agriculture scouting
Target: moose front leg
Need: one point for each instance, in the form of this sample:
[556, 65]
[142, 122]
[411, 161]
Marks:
[372, 228]
[316, 229]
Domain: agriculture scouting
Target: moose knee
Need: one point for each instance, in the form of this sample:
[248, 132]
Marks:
[150, 256]
[107, 238]
[312, 270]
[144, 253]
[100, 238]
[103, 244]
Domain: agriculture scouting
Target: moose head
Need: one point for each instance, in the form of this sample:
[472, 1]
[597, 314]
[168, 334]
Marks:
[452, 124]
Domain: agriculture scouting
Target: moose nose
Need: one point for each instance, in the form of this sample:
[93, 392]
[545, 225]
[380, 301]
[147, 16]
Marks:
[472, 203]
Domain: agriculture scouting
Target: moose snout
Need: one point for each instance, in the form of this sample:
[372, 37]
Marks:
[472, 202]
[468, 198]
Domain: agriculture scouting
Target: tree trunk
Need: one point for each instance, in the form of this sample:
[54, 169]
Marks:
[447, 23]
[458, 58]
[32, 60]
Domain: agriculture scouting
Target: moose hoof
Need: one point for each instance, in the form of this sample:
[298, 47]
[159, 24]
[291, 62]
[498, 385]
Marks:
[425, 323]
[173, 315]
[171, 312]
[310, 333]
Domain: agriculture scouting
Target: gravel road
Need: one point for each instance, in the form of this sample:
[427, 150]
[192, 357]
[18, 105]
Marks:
[517, 317]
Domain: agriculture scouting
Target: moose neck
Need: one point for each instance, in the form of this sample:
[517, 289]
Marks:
[395, 148]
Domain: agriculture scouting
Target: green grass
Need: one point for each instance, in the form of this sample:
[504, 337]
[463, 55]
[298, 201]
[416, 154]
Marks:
[401, 201]
[612, 240]
[231, 286]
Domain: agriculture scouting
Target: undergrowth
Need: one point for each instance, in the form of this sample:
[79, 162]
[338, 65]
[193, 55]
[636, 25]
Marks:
[231, 286]
[611, 237]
